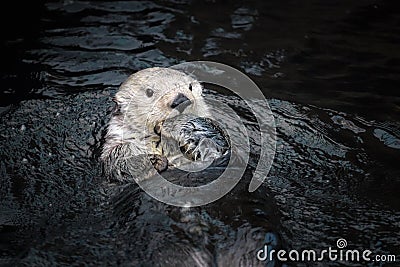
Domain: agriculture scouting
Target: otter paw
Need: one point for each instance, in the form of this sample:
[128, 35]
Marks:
[203, 149]
[202, 139]
[160, 163]
[190, 149]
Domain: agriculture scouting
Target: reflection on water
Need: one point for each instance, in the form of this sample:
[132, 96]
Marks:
[330, 73]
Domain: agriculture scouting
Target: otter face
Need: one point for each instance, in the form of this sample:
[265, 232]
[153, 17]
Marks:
[152, 95]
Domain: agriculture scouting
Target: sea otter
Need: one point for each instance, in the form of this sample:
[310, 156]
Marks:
[146, 105]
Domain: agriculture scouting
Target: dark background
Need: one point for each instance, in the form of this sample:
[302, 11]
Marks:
[329, 69]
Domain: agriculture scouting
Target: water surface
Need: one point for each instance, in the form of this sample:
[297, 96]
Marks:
[330, 72]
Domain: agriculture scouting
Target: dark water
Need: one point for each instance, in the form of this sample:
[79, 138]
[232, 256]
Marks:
[330, 70]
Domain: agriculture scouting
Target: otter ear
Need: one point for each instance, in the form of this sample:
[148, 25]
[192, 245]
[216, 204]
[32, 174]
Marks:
[118, 100]
[117, 107]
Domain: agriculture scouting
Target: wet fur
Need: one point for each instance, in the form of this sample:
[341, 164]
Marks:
[131, 139]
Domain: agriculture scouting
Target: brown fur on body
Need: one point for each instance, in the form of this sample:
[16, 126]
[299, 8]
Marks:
[132, 137]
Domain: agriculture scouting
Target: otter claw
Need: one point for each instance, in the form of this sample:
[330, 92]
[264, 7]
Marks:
[160, 163]
[191, 150]
[197, 156]
[203, 149]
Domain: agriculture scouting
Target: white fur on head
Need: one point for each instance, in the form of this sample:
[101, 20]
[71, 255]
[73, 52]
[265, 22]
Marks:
[166, 84]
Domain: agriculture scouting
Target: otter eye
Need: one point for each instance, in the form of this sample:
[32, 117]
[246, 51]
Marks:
[149, 92]
[190, 87]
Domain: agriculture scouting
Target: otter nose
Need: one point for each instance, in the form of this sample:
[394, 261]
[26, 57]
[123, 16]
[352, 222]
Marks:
[180, 102]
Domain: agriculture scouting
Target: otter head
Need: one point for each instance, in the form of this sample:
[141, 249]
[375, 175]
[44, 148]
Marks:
[152, 95]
